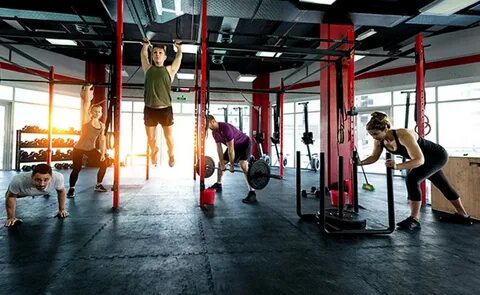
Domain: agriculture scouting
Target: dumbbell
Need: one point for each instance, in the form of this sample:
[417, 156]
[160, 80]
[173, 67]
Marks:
[313, 191]
[58, 166]
[26, 168]
[23, 155]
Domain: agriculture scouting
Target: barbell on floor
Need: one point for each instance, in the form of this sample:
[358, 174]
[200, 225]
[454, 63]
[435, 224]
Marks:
[258, 173]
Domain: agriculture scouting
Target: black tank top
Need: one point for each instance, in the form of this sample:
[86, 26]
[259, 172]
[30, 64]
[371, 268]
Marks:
[429, 149]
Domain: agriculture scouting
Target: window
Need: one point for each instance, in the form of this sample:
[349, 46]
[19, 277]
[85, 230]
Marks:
[127, 106]
[401, 98]
[6, 92]
[139, 136]
[37, 115]
[456, 122]
[459, 91]
[314, 105]
[314, 127]
[60, 100]
[289, 108]
[373, 100]
[177, 108]
[64, 118]
[188, 108]
[398, 119]
[288, 141]
[126, 142]
[138, 107]
[32, 96]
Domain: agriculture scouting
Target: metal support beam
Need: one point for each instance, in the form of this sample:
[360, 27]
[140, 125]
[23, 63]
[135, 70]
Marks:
[27, 56]
[296, 50]
[136, 17]
[118, 101]
[51, 91]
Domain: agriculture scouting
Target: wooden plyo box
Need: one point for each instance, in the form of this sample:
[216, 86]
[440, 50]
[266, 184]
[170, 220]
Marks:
[463, 173]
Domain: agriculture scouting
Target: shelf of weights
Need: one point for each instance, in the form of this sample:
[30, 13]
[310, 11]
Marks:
[32, 146]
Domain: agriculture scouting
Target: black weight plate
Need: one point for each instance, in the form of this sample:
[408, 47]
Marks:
[209, 167]
[259, 174]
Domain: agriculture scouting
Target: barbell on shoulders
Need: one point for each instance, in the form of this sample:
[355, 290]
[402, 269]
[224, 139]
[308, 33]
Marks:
[258, 173]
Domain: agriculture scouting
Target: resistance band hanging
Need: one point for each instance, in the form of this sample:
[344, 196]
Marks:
[109, 138]
[427, 126]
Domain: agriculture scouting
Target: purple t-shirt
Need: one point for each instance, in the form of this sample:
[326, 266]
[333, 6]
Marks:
[227, 132]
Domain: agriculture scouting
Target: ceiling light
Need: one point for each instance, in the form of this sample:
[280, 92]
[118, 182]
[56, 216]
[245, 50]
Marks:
[324, 2]
[278, 54]
[185, 76]
[62, 42]
[49, 31]
[358, 57]
[266, 54]
[446, 7]
[246, 78]
[187, 48]
[366, 34]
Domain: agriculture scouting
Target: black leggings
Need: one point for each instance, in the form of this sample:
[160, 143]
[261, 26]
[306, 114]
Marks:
[93, 155]
[430, 170]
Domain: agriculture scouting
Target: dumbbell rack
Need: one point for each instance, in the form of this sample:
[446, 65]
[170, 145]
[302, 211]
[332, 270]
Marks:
[41, 143]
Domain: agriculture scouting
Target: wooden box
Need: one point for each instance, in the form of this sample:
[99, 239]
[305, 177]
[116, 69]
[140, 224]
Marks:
[463, 173]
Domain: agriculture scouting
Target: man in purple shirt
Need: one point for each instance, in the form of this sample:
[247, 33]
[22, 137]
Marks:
[238, 150]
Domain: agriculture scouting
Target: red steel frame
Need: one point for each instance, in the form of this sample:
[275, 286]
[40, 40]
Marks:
[118, 100]
[280, 122]
[203, 94]
[51, 89]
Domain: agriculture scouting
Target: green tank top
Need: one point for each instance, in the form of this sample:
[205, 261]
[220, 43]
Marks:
[157, 87]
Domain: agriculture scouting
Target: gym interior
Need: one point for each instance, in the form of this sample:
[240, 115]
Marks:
[314, 72]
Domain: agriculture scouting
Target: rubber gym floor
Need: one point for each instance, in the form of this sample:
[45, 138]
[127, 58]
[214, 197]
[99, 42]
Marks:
[161, 242]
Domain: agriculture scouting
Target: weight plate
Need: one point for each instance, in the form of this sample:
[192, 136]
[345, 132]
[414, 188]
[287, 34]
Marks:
[259, 174]
[209, 167]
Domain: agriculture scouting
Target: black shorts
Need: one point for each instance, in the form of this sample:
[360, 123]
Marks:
[242, 152]
[153, 117]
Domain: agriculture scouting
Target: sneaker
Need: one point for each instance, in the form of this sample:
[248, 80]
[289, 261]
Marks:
[217, 187]
[457, 218]
[250, 198]
[100, 188]
[71, 193]
[409, 224]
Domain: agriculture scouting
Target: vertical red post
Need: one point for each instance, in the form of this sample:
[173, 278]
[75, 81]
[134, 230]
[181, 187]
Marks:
[280, 121]
[203, 96]
[118, 100]
[328, 103]
[420, 98]
[195, 130]
[51, 86]
[351, 92]
[261, 100]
